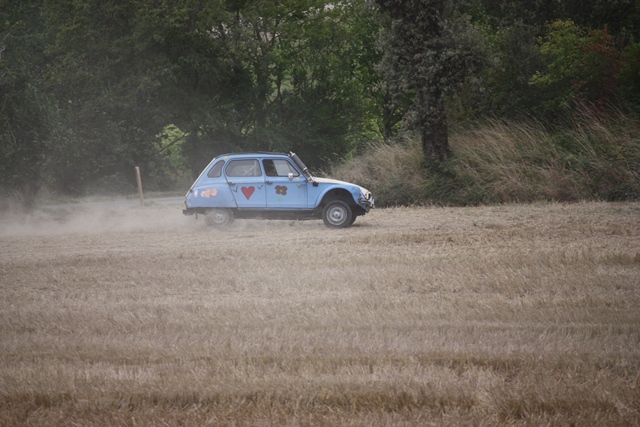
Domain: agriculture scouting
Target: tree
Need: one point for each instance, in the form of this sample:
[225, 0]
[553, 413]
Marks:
[431, 50]
[201, 85]
[310, 66]
[584, 66]
[123, 71]
[515, 28]
[27, 114]
[87, 86]
[514, 59]
[106, 87]
[328, 104]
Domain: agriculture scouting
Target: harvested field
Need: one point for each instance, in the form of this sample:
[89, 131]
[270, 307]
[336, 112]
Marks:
[524, 315]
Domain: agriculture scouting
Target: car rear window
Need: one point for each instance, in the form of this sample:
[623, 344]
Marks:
[216, 170]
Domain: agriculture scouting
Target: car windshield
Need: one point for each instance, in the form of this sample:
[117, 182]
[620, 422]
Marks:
[301, 165]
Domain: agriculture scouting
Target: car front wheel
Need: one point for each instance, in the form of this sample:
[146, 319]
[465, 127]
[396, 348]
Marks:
[337, 214]
[218, 217]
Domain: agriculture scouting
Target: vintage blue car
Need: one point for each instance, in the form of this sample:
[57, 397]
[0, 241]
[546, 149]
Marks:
[272, 186]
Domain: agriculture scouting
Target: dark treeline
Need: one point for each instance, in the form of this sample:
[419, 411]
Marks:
[89, 89]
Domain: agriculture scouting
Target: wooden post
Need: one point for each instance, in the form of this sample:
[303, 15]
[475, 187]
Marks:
[139, 185]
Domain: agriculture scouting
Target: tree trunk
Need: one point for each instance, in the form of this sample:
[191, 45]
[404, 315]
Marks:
[435, 141]
[434, 127]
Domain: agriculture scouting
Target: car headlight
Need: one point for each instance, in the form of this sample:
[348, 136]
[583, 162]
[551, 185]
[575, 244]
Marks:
[365, 195]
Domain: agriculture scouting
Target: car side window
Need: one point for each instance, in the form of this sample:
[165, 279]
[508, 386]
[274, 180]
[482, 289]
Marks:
[278, 167]
[240, 168]
[216, 170]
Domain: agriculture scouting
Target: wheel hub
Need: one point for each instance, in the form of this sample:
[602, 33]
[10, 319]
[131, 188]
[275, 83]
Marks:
[337, 215]
[219, 216]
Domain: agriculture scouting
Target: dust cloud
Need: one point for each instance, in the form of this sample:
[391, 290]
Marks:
[124, 216]
[88, 217]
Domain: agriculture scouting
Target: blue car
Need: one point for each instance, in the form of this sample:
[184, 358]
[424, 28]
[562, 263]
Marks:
[272, 186]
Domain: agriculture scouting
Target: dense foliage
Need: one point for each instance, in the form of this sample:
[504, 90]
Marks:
[89, 89]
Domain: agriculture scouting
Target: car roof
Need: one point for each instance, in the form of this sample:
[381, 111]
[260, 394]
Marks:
[253, 154]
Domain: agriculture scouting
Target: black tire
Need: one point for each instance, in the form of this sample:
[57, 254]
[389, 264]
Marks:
[337, 214]
[218, 217]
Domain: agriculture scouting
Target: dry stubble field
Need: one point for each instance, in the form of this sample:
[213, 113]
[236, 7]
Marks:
[520, 315]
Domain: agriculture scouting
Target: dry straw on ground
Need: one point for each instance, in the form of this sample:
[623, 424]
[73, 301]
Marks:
[518, 314]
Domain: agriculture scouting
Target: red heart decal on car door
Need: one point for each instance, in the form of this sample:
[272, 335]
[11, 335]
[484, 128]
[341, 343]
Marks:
[248, 191]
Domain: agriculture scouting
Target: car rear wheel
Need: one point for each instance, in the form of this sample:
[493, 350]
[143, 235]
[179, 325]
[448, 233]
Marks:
[337, 214]
[218, 217]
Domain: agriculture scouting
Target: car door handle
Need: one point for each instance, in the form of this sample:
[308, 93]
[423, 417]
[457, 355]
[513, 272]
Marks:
[269, 182]
[232, 183]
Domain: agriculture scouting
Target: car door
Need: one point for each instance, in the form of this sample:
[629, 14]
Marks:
[246, 182]
[286, 187]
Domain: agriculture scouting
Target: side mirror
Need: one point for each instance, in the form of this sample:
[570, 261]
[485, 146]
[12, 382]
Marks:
[290, 176]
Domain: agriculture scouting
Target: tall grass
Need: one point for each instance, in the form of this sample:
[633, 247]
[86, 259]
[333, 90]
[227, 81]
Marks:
[594, 157]
[392, 172]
